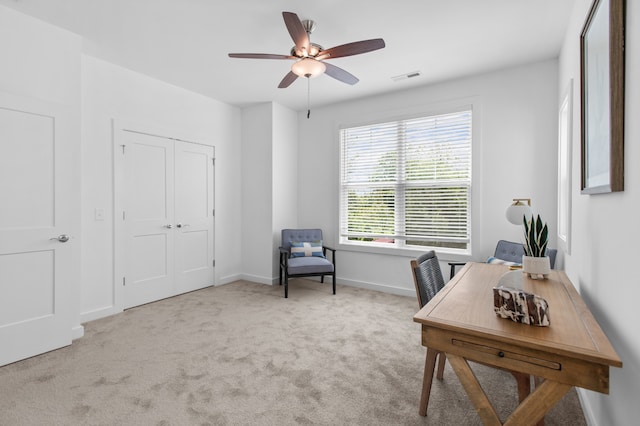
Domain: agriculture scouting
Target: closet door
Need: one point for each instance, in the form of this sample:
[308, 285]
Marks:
[164, 237]
[194, 237]
[148, 218]
[36, 221]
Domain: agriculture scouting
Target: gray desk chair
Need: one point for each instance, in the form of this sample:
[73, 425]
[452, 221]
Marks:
[303, 254]
[513, 252]
[508, 251]
[428, 279]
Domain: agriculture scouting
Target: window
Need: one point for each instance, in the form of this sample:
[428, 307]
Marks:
[407, 183]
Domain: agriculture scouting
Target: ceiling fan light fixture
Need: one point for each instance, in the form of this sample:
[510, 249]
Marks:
[314, 49]
[310, 56]
[308, 67]
[302, 52]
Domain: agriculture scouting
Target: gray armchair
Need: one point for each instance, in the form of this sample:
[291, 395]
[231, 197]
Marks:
[303, 254]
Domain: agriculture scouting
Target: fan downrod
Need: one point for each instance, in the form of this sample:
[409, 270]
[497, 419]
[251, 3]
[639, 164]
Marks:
[309, 25]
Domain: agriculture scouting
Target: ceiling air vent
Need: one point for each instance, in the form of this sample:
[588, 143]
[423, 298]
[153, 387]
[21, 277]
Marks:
[406, 76]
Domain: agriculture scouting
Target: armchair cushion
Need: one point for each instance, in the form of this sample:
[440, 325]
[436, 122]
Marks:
[309, 265]
[307, 249]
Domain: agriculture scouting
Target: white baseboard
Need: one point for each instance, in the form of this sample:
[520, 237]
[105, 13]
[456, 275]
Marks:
[97, 314]
[378, 287]
[228, 279]
[586, 407]
[77, 332]
[351, 283]
[256, 279]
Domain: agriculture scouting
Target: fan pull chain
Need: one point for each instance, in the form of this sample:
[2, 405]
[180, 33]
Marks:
[308, 97]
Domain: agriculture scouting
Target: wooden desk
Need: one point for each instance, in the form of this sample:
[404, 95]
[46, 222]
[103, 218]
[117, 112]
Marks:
[572, 351]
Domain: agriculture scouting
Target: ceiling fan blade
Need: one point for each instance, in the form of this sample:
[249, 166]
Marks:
[340, 74]
[260, 56]
[287, 80]
[355, 48]
[296, 30]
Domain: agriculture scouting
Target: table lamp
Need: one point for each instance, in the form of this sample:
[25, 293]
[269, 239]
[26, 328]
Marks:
[520, 208]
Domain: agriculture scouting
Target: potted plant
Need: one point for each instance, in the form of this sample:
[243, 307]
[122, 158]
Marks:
[535, 261]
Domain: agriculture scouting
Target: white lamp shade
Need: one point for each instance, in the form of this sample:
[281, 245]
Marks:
[518, 210]
[308, 67]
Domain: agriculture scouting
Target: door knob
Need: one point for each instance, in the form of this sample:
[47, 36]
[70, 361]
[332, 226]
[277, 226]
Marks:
[180, 225]
[63, 238]
[169, 226]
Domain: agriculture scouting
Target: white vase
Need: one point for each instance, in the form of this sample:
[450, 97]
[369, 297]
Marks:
[536, 267]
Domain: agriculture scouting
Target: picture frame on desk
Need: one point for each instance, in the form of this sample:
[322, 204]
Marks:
[602, 72]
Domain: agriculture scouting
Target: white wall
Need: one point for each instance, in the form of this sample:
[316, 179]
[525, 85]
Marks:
[257, 196]
[515, 156]
[604, 235]
[269, 185]
[40, 61]
[111, 92]
[45, 62]
[284, 176]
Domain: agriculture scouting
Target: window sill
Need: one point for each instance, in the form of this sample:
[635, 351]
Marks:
[446, 255]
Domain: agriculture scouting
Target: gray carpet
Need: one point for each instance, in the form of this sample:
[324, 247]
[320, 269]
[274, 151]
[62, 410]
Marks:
[241, 354]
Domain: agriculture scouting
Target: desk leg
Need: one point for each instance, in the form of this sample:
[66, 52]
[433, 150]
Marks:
[429, 366]
[538, 403]
[442, 359]
[524, 384]
[475, 392]
[524, 388]
[529, 412]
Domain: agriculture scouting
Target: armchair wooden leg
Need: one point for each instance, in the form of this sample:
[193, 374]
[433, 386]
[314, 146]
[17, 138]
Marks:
[286, 286]
[334, 283]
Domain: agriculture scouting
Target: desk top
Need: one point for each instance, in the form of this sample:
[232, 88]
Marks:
[465, 305]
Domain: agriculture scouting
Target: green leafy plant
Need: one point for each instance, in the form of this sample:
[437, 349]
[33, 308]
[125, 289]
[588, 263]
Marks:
[536, 235]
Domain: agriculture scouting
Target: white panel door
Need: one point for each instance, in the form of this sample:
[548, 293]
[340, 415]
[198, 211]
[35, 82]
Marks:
[164, 237]
[194, 182]
[36, 172]
[148, 218]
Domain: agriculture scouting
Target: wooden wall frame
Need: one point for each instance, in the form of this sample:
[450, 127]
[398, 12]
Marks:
[602, 62]
[565, 137]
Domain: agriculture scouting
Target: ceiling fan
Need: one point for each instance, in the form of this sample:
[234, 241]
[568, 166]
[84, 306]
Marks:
[310, 57]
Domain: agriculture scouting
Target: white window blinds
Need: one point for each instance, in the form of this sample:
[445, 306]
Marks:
[407, 182]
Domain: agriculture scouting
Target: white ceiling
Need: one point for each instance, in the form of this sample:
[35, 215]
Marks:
[185, 42]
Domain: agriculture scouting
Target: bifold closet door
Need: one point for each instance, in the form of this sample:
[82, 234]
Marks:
[168, 216]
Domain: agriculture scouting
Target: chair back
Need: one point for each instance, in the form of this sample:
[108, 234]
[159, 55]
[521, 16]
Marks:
[427, 277]
[513, 252]
[299, 235]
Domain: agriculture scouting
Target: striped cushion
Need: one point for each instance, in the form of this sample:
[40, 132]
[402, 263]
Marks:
[306, 248]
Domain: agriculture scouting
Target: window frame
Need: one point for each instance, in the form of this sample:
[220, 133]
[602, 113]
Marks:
[469, 104]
